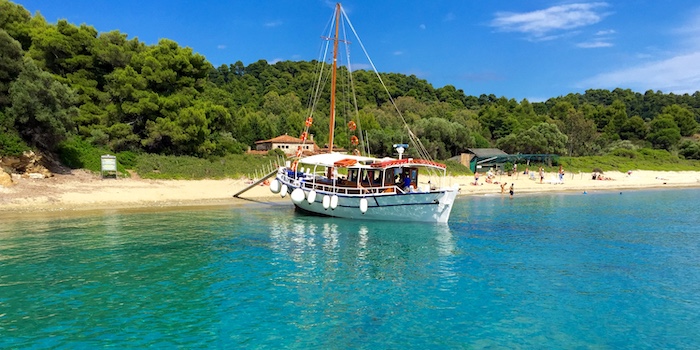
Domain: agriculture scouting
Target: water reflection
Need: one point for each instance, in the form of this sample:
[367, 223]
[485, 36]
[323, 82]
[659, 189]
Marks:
[324, 249]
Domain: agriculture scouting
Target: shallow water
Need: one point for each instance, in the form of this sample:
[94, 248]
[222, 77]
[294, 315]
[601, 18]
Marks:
[602, 270]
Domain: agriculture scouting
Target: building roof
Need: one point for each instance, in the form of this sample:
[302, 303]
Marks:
[487, 152]
[283, 139]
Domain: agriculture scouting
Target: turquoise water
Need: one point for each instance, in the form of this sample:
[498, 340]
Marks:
[602, 270]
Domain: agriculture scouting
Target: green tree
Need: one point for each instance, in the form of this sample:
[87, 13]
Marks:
[42, 108]
[10, 65]
[615, 115]
[543, 138]
[664, 133]
[580, 131]
[683, 117]
[634, 129]
[15, 19]
[689, 149]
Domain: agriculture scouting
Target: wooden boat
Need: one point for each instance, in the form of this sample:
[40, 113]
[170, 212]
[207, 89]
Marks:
[364, 187]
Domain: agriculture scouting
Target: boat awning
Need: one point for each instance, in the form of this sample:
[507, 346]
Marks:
[407, 162]
[330, 159]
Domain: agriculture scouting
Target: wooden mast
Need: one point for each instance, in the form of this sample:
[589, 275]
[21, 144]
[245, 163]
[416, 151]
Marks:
[333, 77]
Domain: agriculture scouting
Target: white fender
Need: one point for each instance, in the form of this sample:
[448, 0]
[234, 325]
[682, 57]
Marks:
[312, 197]
[334, 201]
[326, 201]
[275, 186]
[363, 205]
[283, 191]
[297, 195]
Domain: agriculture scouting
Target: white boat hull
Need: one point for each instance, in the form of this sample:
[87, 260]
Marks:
[434, 206]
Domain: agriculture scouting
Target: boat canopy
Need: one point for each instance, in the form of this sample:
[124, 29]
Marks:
[339, 160]
[385, 163]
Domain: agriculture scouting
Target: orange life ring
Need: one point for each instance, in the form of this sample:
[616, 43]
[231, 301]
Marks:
[352, 126]
[303, 136]
[354, 140]
[309, 121]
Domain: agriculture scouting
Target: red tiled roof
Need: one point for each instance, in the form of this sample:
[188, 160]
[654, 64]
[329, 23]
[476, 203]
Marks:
[282, 139]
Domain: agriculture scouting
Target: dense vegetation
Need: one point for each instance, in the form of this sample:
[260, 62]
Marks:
[63, 85]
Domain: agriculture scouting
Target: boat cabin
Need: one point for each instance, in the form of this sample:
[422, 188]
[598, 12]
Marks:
[362, 175]
[388, 179]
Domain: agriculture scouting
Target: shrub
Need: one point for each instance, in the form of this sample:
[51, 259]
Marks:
[624, 152]
[11, 144]
[689, 149]
[77, 153]
[127, 159]
[276, 152]
[152, 166]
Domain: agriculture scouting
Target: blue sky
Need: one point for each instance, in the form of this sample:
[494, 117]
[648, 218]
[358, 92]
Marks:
[518, 49]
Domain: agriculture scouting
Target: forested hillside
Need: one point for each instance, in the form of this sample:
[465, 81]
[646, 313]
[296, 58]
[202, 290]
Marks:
[61, 83]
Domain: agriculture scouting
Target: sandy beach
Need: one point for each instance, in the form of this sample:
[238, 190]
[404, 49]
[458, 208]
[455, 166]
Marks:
[82, 190]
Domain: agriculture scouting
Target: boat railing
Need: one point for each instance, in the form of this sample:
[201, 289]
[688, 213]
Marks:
[311, 181]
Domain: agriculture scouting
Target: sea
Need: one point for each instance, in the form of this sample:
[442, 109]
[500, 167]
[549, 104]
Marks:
[600, 270]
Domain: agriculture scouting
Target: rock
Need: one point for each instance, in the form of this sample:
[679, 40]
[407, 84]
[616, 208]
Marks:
[28, 163]
[5, 179]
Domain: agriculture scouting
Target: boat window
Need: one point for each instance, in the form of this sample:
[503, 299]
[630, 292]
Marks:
[371, 177]
[352, 175]
[414, 176]
[393, 176]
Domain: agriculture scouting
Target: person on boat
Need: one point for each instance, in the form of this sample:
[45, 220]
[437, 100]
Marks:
[407, 183]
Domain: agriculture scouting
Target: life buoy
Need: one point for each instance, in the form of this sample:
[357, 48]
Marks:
[354, 140]
[352, 126]
[303, 136]
[309, 121]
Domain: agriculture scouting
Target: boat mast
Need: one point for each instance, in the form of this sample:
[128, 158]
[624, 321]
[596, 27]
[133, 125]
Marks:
[333, 77]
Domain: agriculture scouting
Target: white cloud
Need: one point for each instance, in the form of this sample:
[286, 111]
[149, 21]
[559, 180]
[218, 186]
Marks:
[679, 74]
[690, 32]
[605, 32]
[398, 53]
[422, 26]
[594, 44]
[273, 24]
[540, 23]
[360, 66]
[220, 47]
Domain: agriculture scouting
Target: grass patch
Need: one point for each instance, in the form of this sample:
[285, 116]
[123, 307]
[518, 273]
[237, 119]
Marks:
[643, 159]
[152, 166]
[456, 168]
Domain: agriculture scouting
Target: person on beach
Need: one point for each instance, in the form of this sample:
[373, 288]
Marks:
[512, 190]
[561, 173]
[541, 174]
[503, 187]
[476, 178]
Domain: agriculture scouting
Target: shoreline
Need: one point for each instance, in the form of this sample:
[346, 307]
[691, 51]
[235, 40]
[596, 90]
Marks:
[82, 191]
